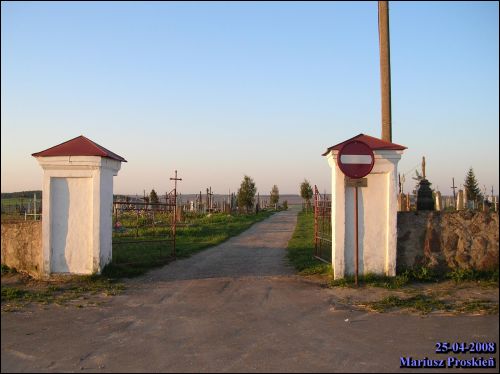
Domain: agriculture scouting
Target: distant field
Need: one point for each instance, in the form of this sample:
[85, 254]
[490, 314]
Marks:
[13, 208]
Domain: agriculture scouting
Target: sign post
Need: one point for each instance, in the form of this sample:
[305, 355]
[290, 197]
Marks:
[356, 160]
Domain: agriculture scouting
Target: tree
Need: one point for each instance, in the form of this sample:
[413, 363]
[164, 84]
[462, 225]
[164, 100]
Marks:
[246, 193]
[275, 195]
[306, 192]
[285, 204]
[470, 184]
[153, 197]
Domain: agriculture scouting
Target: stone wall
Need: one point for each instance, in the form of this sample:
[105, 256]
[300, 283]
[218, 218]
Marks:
[22, 246]
[448, 240]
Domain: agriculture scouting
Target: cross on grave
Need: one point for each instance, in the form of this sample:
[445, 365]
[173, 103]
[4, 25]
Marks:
[175, 179]
[209, 199]
[453, 187]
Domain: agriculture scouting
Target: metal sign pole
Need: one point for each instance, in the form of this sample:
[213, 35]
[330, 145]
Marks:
[356, 159]
[356, 233]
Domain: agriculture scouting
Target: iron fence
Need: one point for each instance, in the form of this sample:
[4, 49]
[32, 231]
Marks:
[322, 227]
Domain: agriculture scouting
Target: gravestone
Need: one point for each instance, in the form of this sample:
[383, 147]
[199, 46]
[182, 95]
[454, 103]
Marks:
[425, 200]
[439, 201]
[460, 200]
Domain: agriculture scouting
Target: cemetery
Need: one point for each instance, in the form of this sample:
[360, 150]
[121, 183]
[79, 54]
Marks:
[98, 276]
[139, 232]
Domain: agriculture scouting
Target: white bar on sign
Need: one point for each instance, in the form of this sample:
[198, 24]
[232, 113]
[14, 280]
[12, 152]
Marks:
[356, 159]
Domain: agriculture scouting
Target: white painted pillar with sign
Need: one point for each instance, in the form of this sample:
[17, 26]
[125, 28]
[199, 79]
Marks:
[77, 206]
[377, 230]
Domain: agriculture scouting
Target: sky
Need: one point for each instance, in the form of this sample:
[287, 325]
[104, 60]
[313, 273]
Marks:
[219, 90]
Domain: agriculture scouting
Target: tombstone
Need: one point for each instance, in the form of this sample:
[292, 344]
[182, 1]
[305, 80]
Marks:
[401, 202]
[77, 200]
[486, 206]
[439, 201]
[466, 199]
[377, 212]
[179, 214]
[425, 200]
[460, 200]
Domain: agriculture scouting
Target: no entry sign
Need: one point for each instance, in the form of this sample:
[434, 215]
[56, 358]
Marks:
[356, 159]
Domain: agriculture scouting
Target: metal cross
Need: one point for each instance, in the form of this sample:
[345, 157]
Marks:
[175, 207]
[454, 188]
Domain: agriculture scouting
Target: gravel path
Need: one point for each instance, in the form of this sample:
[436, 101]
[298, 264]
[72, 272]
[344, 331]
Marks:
[237, 307]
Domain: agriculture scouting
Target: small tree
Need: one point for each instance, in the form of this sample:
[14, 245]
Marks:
[246, 193]
[285, 205]
[306, 192]
[153, 197]
[275, 195]
[470, 184]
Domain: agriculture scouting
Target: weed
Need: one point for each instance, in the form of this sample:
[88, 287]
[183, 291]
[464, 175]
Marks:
[419, 303]
[461, 275]
[8, 270]
[478, 306]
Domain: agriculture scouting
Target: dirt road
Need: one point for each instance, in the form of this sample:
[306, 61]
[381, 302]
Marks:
[237, 307]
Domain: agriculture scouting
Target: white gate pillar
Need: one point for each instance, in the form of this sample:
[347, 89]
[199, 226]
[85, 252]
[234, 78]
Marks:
[77, 200]
[378, 205]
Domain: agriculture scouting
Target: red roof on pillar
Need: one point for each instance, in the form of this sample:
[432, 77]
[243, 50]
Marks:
[79, 146]
[373, 143]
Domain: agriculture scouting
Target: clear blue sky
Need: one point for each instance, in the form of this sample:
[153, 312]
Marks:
[219, 90]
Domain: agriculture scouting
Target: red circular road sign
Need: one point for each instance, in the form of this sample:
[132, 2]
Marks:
[356, 159]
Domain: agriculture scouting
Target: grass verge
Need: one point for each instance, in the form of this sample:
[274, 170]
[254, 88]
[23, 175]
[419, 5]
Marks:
[425, 304]
[420, 275]
[59, 290]
[301, 248]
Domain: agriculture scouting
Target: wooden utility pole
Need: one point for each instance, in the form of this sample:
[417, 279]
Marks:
[385, 69]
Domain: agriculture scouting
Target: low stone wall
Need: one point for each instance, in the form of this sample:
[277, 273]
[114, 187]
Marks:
[448, 240]
[22, 246]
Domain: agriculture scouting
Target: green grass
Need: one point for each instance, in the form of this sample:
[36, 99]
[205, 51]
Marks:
[196, 234]
[60, 292]
[425, 304]
[419, 275]
[7, 270]
[301, 247]
[420, 303]
[478, 306]
[485, 277]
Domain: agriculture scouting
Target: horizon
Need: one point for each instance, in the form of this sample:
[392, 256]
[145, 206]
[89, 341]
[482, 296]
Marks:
[222, 90]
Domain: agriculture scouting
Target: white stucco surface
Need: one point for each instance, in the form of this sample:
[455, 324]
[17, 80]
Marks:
[377, 218]
[71, 226]
[77, 215]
